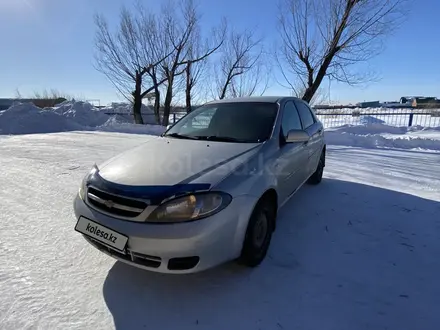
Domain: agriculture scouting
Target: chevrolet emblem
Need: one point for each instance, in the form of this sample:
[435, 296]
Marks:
[109, 204]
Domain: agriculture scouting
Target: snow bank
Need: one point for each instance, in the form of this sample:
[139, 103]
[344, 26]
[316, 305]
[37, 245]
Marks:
[83, 113]
[368, 120]
[384, 136]
[124, 110]
[115, 125]
[26, 118]
[120, 108]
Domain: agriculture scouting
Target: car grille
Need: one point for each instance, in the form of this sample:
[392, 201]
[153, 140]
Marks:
[116, 205]
[137, 258]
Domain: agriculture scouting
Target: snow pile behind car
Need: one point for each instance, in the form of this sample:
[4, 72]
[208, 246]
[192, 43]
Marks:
[83, 113]
[26, 118]
[123, 111]
[384, 136]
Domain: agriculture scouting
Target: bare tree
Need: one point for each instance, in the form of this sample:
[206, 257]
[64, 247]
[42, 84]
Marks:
[253, 82]
[330, 37]
[158, 49]
[194, 70]
[53, 94]
[240, 66]
[153, 74]
[180, 32]
[130, 57]
[318, 98]
[18, 94]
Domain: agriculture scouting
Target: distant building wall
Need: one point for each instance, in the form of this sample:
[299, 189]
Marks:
[369, 104]
[425, 102]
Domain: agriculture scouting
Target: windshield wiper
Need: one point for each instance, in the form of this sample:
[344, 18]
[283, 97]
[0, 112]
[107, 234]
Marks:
[180, 136]
[220, 138]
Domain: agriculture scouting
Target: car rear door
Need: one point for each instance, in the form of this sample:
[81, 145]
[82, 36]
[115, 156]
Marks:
[293, 157]
[315, 130]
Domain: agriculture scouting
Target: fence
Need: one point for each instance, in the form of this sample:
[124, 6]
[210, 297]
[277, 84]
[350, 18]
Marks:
[386, 116]
[339, 117]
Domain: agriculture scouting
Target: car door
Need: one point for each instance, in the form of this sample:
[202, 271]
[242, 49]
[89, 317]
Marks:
[293, 157]
[315, 130]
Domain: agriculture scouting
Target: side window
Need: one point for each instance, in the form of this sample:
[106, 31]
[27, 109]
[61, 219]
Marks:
[315, 119]
[291, 118]
[305, 114]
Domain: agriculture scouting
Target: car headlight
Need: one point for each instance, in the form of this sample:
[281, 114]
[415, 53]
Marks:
[190, 207]
[83, 187]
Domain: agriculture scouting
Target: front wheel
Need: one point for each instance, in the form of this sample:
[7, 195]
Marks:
[258, 234]
[317, 176]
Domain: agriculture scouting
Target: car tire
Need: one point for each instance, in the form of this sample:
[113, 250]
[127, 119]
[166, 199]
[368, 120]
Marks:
[316, 177]
[258, 233]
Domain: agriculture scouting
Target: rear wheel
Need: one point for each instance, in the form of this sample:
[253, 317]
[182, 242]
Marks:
[317, 176]
[258, 234]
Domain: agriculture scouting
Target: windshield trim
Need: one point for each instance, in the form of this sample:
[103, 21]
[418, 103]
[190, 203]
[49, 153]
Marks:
[275, 122]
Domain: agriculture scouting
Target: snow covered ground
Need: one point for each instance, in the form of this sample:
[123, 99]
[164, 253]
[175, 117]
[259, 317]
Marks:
[360, 251]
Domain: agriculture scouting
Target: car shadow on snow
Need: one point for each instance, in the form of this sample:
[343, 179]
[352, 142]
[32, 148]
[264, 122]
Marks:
[345, 256]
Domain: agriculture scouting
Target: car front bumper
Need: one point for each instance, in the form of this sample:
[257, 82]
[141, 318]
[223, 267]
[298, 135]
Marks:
[177, 248]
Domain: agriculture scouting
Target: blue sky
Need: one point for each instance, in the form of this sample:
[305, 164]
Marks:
[49, 44]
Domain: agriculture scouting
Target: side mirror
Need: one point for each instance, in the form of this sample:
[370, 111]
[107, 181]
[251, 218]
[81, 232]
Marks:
[296, 135]
[169, 126]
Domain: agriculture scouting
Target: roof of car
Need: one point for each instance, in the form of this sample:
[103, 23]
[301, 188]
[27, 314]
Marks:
[266, 99]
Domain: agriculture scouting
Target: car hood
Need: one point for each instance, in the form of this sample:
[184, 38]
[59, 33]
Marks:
[170, 161]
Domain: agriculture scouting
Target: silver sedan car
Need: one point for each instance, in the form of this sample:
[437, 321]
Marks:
[207, 191]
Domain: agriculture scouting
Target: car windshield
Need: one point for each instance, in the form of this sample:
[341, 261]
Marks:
[243, 122]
